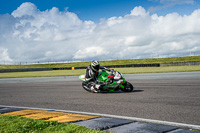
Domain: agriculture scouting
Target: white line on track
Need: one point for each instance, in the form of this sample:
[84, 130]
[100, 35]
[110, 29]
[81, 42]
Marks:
[180, 125]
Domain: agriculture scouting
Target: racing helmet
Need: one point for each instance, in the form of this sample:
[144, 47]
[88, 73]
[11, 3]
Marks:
[95, 65]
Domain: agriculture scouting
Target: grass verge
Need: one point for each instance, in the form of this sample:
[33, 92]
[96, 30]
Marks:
[159, 69]
[15, 124]
[104, 63]
[82, 71]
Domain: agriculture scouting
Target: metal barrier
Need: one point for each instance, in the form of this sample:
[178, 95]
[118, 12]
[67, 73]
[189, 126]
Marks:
[114, 66]
[180, 63]
[109, 66]
[25, 70]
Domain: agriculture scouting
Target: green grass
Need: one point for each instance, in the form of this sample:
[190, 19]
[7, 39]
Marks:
[42, 73]
[113, 62]
[159, 69]
[103, 63]
[15, 124]
[82, 71]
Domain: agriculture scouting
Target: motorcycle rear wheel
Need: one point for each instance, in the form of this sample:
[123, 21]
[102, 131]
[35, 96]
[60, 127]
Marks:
[128, 87]
[85, 86]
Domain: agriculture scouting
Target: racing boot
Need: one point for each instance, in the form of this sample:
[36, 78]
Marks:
[94, 89]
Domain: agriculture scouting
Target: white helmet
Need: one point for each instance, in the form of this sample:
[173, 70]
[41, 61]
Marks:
[95, 65]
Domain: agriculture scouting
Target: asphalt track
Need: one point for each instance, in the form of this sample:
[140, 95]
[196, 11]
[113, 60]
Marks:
[172, 97]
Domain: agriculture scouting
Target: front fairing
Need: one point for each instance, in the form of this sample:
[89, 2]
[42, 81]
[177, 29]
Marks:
[102, 76]
[117, 82]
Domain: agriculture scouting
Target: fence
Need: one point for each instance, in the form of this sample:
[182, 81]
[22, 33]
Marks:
[180, 63]
[25, 70]
[141, 56]
[110, 66]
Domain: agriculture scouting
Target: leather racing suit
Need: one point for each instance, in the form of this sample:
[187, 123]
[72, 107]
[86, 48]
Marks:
[91, 76]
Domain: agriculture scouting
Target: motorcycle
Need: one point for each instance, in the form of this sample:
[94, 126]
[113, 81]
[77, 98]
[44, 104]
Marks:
[114, 82]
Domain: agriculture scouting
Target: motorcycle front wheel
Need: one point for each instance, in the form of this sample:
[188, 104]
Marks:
[128, 87]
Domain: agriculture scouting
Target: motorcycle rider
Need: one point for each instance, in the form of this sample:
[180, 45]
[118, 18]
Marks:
[91, 76]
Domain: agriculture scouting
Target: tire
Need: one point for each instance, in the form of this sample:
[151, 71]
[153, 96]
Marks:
[85, 86]
[128, 87]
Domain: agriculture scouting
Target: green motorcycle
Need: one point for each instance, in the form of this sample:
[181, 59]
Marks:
[114, 82]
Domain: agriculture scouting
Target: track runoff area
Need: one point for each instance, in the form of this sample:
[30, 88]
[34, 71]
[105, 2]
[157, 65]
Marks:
[104, 122]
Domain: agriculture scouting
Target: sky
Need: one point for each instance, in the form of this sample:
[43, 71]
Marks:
[85, 30]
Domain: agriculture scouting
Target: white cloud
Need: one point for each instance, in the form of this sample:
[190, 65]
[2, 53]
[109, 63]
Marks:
[4, 55]
[139, 11]
[31, 35]
[175, 2]
[90, 52]
[169, 3]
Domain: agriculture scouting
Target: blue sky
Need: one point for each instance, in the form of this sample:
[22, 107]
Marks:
[96, 9]
[68, 30]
